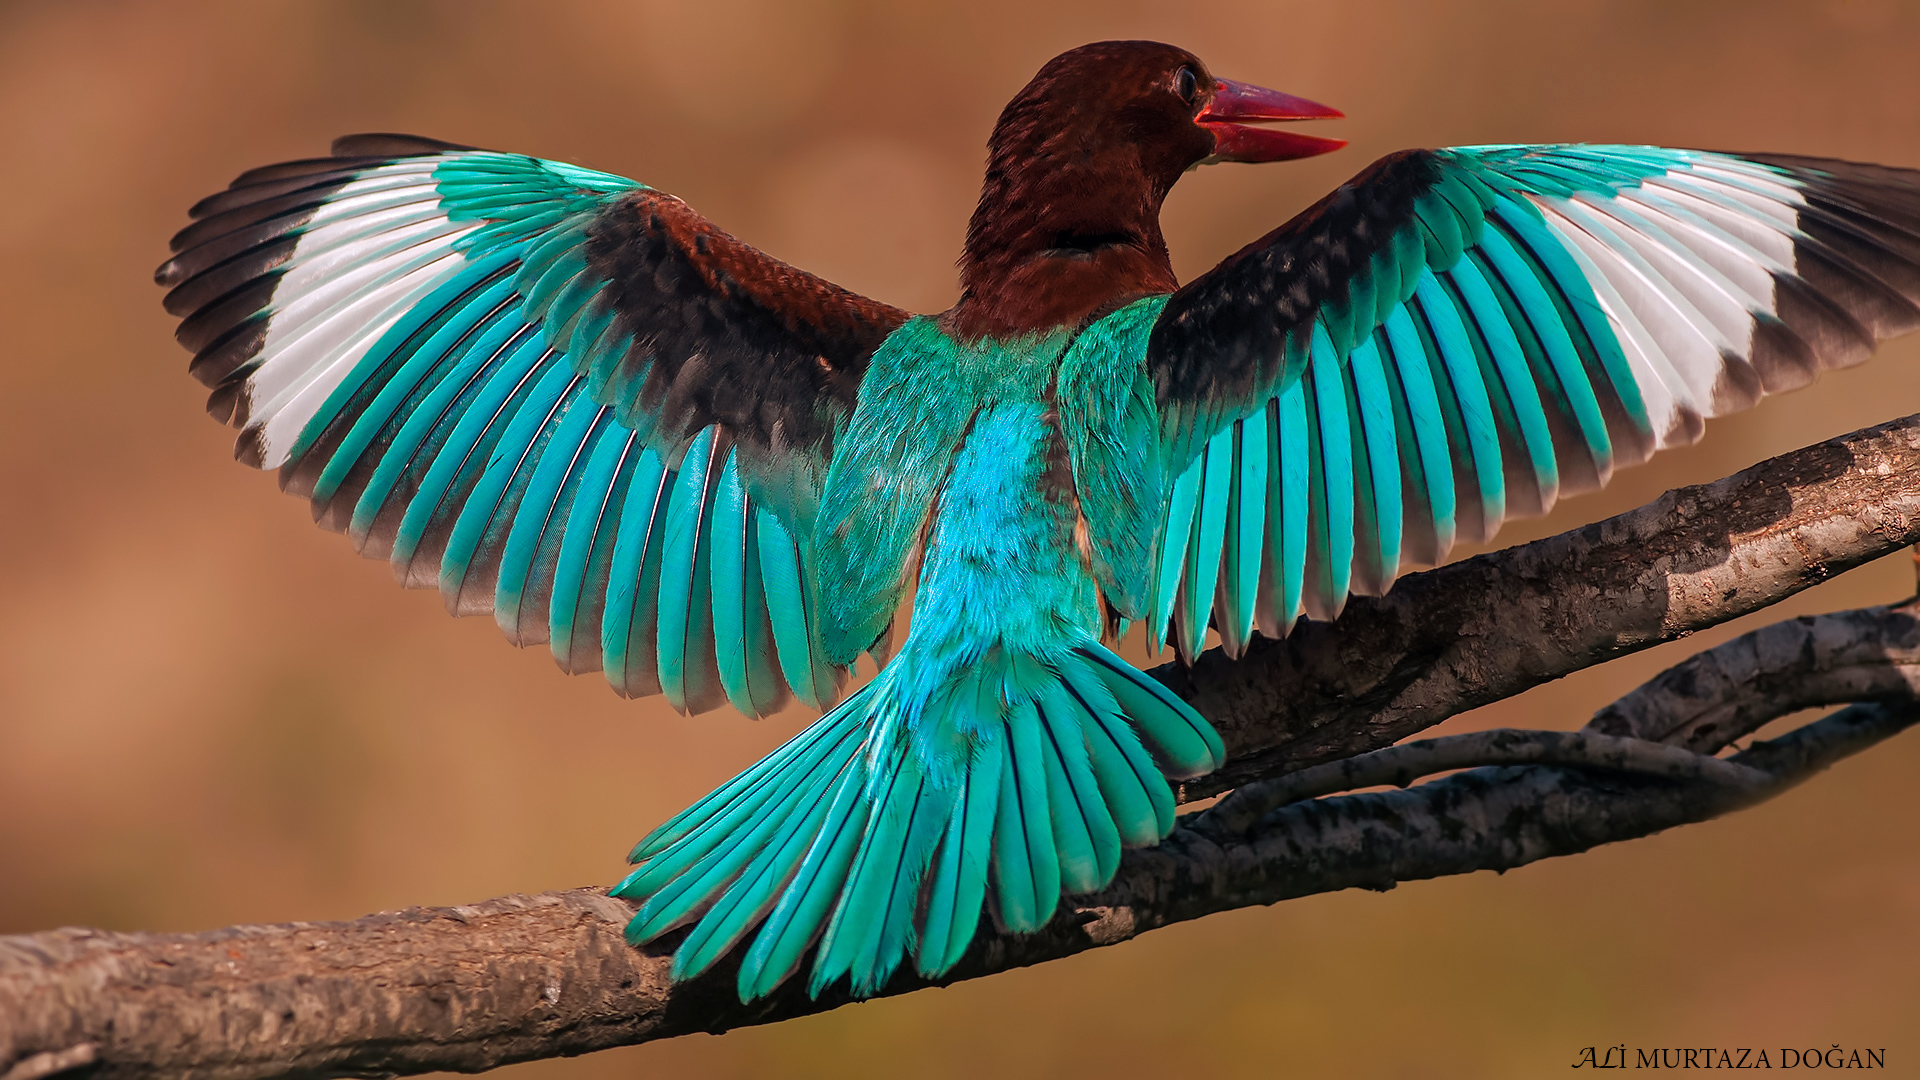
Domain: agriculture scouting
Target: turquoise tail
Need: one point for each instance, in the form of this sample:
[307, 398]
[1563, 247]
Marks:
[878, 832]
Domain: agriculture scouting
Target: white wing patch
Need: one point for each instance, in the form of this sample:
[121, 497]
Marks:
[375, 249]
[1685, 266]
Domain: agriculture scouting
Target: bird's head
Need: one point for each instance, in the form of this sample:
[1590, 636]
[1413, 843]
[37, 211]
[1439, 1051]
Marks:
[1079, 164]
[1158, 103]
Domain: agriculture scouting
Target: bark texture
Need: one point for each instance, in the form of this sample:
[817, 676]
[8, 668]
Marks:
[522, 977]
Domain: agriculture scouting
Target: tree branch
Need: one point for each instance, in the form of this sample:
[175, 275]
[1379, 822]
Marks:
[473, 987]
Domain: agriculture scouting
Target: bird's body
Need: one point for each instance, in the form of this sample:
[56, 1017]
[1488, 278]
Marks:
[569, 400]
[972, 422]
[956, 474]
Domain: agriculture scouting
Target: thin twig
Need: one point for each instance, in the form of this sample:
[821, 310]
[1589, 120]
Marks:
[1401, 765]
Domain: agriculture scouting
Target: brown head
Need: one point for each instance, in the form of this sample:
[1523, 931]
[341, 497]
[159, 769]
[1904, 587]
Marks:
[1068, 224]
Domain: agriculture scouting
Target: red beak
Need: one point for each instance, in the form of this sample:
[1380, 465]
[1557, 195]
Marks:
[1237, 105]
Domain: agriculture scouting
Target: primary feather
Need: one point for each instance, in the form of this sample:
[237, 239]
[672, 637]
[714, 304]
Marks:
[566, 399]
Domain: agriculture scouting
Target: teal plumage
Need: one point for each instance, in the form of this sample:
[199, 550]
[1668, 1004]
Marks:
[1176, 533]
[1467, 406]
[1193, 611]
[1422, 427]
[529, 558]
[565, 398]
[788, 598]
[581, 572]
[742, 627]
[1003, 684]
[1290, 468]
[1245, 533]
[631, 621]
[1330, 449]
[688, 671]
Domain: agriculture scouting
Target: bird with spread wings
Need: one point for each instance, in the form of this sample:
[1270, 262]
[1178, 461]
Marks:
[566, 399]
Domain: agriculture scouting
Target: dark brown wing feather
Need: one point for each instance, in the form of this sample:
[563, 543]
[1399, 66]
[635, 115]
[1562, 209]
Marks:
[724, 333]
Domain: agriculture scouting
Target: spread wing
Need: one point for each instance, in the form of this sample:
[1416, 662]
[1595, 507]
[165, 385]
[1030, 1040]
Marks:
[1456, 337]
[555, 394]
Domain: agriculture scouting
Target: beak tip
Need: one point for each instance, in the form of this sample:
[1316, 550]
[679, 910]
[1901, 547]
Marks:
[1244, 101]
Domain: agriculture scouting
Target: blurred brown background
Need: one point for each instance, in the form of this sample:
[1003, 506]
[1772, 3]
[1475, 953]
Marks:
[210, 712]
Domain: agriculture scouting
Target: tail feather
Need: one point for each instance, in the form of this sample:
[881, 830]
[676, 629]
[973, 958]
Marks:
[759, 887]
[813, 741]
[679, 889]
[1072, 835]
[687, 886]
[1026, 864]
[959, 887]
[1136, 793]
[1188, 746]
[807, 900]
[879, 832]
[1082, 824]
[872, 929]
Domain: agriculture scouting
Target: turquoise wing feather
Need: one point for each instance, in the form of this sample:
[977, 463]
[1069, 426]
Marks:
[1461, 336]
[503, 375]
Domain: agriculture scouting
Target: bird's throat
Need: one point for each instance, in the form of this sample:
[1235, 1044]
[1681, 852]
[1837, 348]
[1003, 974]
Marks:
[1048, 289]
[1061, 235]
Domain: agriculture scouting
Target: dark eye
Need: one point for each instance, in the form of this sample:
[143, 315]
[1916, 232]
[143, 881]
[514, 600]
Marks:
[1185, 84]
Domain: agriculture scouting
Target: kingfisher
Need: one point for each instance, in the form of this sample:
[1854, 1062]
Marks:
[566, 399]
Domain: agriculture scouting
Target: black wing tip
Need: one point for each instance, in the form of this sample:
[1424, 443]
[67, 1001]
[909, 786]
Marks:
[250, 449]
[365, 149]
[289, 170]
[1838, 167]
[222, 402]
[386, 144]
